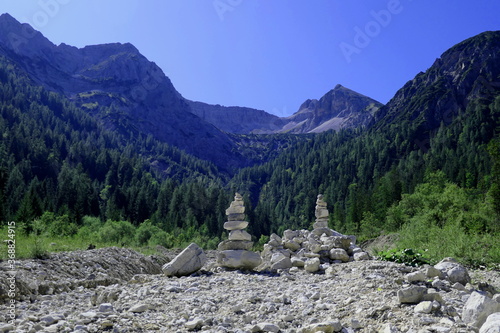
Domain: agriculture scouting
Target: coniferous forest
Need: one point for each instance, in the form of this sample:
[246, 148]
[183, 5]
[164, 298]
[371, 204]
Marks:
[63, 173]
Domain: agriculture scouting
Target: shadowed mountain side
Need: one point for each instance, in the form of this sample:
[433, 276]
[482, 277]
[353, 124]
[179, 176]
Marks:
[119, 86]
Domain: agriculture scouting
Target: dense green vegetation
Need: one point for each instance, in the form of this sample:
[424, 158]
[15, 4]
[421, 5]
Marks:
[64, 176]
[56, 158]
[367, 177]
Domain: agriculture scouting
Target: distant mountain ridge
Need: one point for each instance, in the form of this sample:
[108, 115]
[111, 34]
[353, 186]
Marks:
[339, 108]
[238, 120]
[466, 72]
[128, 93]
[119, 86]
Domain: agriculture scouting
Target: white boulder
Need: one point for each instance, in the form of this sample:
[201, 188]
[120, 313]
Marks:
[190, 260]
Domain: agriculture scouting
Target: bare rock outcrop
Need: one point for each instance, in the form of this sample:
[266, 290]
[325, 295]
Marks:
[189, 261]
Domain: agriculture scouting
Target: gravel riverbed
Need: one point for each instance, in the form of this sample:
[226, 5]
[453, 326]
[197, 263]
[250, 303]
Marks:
[120, 290]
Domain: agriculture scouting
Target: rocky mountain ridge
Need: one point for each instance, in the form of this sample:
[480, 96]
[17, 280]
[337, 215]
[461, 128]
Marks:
[466, 72]
[339, 108]
[119, 86]
[131, 95]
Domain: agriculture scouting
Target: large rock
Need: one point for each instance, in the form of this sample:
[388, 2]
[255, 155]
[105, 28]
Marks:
[312, 265]
[477, 308]
[327, 327]
[492, 324]
[238, 259]
[411, 295]
[339, 254]
[321, 231]
[266, 327]
[339, 242]
[361, 256]
[321, 212]
[190, 260]
[236, 217]
[283, 263]
[454, 271]
[234, 245]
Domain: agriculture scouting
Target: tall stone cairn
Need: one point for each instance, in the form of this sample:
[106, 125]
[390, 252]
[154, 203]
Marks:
[235, 251]
[321, 224]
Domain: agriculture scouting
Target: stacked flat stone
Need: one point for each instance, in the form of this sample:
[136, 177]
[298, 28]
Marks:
[321, 224]
[235, 251]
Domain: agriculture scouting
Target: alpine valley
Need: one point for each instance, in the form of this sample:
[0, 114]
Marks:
[98, 145]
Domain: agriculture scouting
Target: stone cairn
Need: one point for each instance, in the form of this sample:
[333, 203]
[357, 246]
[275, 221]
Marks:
[321, 213]
[312, 251]
[235, 251]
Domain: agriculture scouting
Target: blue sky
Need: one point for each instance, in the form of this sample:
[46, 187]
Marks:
[273, 54]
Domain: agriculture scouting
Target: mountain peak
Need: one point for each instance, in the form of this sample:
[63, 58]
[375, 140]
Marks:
[339, 108]
[21, 38]
[6, 16]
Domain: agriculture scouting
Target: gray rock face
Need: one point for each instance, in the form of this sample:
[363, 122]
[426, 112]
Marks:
[239, 259]
[478, 308]
[339, 108]
[237, 120]
[411, 295]
[492, 324]
[454, 271]
[190, 260]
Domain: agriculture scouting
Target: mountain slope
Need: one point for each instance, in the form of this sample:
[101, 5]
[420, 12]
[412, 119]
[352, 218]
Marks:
[443, 119]
[120, 87]
[467, 71]
[237, 120]
[339, 108]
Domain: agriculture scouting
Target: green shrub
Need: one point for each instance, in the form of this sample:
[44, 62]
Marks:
[408, 257]
[117, 232]
[259, 246]
[162, 238]
[61, 226]
[144, 233]
[92, 223]
[212, 243]
[38, 250]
